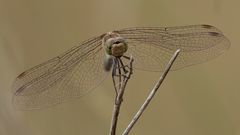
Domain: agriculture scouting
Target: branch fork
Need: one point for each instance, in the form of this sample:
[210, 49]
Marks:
[120, 88]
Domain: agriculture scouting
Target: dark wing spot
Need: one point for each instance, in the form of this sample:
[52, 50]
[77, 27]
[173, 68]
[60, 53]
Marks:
[21, 75]
[207, 26]
[213, 33]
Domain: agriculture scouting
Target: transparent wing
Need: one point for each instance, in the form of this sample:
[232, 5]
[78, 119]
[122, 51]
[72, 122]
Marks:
[152, 47]
[67, 76]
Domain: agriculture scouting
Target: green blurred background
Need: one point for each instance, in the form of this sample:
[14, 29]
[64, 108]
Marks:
[198, 100]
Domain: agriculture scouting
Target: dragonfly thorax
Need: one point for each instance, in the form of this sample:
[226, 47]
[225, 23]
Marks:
[114, 44]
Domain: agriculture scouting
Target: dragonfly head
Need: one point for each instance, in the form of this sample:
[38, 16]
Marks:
[114, 44]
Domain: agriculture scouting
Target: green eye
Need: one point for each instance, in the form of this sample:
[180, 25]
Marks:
[108, 50]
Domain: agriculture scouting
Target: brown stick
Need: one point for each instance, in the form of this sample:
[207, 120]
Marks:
[119, 98]
[151, 94]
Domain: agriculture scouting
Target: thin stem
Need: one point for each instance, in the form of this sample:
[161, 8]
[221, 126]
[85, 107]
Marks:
[119, 96]
[114, 70]
[151, 94]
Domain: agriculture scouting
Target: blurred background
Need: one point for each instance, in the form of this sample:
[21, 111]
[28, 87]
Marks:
[200, 100]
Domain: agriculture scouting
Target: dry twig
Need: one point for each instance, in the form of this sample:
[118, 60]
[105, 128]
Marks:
[151, 94]
[119, 94]
[120, 91]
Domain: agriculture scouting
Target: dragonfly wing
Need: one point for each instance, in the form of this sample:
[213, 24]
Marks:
[153, 47]
[64, 77]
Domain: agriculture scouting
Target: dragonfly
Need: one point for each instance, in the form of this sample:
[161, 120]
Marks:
[81, 69]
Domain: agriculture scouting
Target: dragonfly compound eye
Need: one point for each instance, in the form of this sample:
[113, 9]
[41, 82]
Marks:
[115, 46]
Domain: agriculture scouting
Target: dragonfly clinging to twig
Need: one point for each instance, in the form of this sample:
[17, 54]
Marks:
[84, 67]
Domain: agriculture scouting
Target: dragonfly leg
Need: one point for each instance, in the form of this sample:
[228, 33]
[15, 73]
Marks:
[120, 72]
[126, 57]
[127, 68]
[114, 72]
[117, 73]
